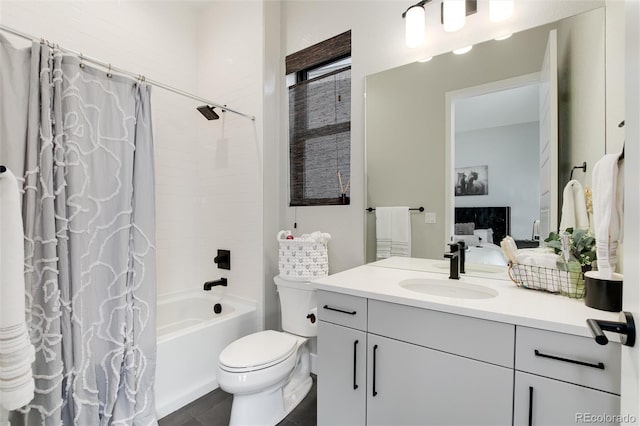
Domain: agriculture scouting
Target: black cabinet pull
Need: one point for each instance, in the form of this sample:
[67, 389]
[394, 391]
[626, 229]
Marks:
[375, 347]
[599, 365]
[339, 310]
[530, 405]
[355, 358]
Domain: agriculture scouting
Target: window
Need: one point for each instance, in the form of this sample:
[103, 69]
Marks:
[320, 123]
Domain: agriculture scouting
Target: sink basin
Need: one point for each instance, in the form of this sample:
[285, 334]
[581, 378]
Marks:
[449, 288]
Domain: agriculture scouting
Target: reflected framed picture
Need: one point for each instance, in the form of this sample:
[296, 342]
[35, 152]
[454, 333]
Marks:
[472, 180]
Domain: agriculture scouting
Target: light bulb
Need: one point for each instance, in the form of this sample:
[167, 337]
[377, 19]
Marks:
[453, 15]
[499, 10]
[414, 26]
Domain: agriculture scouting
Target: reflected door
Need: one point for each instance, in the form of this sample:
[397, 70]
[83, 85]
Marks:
[549, 138]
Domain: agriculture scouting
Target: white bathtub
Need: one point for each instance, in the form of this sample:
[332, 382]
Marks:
[190, 339]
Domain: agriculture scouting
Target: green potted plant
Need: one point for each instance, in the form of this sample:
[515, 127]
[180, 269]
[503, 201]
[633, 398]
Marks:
[581, 246]
[576, 250]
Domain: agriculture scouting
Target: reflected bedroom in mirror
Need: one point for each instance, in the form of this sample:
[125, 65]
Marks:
[486, 141]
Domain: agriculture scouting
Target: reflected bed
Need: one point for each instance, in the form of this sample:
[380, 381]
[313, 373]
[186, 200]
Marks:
[482, 229]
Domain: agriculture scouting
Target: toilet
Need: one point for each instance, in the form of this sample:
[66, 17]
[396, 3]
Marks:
[269, 372]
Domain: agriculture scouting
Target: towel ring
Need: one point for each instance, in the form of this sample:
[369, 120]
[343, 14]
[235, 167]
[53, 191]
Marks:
[583, 167]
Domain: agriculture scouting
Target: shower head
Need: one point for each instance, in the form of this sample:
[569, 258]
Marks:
[208, 112]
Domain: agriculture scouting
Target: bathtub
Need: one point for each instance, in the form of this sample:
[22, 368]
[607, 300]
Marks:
[190, 338]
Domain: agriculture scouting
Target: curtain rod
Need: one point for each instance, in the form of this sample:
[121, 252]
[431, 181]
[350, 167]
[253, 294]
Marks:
[128, 73]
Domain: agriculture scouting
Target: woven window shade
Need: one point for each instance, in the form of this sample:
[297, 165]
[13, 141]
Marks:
[320, 138]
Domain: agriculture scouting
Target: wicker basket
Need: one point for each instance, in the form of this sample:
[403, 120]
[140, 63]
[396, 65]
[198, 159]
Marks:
[300, 260]
[568, 283]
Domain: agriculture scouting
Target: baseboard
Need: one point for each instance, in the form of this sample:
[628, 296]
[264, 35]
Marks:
[184, 399]
[314, 363]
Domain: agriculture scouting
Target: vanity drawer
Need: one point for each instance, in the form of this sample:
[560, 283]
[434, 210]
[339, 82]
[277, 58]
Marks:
[570, 358]
[342, 309]
[479, 339]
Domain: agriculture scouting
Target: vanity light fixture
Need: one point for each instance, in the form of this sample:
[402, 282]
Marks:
[415, 24]
[499, 10]
[453, 15]
[463, 50]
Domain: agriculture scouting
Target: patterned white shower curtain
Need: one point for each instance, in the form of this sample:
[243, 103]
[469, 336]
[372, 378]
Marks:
[89, 218]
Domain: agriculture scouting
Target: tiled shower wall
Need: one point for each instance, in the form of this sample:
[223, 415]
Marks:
[229, 150]
[208, 192]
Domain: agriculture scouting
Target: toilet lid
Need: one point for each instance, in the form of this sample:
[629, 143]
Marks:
[258, 349]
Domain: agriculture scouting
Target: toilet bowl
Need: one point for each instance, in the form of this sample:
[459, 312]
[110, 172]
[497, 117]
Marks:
[269, 372]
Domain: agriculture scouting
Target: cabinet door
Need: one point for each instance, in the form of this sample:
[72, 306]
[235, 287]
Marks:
[341, 375]
[412, 385]
[542, 401]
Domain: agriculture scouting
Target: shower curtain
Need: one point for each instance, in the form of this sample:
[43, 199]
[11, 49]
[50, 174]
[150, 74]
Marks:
[89, 218]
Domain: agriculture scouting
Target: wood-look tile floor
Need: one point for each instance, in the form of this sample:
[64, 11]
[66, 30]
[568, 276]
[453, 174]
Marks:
[214, 409]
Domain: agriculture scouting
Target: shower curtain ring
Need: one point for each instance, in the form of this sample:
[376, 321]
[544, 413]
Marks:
[81, 61]
[109, 75]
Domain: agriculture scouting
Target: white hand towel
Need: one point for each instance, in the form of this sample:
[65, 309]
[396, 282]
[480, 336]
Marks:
[545, 260]
[509, 248]
[393, 232]
[16, 351]
[574, 207]
[607, 212]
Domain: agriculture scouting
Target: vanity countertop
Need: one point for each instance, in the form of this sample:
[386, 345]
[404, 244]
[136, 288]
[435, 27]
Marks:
[513, 304]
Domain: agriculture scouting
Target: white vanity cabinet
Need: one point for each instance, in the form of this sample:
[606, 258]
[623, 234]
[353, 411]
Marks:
[563, 379]
[342, 345]
[543, 401]
[412, 385]
[520, 358]
[343, 375]
[422, 367]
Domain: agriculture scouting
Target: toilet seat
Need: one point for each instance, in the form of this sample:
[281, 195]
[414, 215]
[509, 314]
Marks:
[258, 351]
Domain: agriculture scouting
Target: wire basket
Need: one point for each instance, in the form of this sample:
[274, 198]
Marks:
[568, 283]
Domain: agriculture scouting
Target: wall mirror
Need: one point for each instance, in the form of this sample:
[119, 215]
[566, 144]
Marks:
[411, 160]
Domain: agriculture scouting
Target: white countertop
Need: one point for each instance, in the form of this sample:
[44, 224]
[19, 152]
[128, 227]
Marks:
[513, 304]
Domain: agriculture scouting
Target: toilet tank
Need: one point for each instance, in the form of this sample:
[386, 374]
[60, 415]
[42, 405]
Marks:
[297, 301]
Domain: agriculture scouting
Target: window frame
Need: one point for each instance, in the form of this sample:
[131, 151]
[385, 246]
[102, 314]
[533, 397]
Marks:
[297, 141]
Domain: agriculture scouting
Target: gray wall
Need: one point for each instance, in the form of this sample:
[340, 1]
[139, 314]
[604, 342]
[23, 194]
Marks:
[581, 95]
[512, 156]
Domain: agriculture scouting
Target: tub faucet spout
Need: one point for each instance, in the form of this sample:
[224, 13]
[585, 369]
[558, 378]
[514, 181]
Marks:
[210, 284]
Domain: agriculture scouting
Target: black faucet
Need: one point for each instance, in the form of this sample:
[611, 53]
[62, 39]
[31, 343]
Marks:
[454, 261]
[210, 284]
[462, 247]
